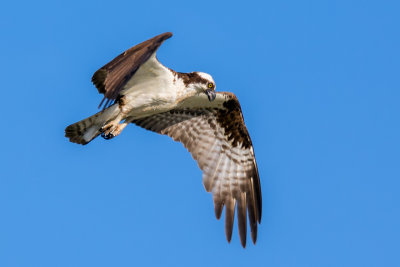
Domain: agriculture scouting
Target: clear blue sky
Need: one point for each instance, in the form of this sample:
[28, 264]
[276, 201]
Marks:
[319, 86]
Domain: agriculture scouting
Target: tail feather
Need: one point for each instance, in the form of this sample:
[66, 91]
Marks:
[84, 131]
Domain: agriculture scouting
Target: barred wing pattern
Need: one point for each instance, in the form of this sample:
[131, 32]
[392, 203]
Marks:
[218, 140]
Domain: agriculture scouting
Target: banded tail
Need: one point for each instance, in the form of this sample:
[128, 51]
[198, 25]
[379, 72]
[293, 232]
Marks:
[84, 131]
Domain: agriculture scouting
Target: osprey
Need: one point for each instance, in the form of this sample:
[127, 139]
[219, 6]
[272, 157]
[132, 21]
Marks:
[138, 89]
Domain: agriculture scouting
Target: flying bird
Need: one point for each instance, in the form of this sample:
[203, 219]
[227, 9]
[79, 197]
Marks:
[138, 89]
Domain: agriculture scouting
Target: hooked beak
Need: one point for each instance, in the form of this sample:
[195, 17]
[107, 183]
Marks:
[210, 94]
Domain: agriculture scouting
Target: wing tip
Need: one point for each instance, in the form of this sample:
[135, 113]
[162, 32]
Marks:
[218, 207]
[229, 217]
[167, 34]
[100, 76]
[242, 217]
[162, 37]
[254, 235]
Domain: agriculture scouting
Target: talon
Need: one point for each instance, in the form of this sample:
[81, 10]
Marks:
[108, 136]
[111, 130]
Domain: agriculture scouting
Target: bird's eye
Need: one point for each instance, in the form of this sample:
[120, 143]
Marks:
[210, 85]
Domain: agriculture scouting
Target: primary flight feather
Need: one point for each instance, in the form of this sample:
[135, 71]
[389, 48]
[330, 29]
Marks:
[138, 89]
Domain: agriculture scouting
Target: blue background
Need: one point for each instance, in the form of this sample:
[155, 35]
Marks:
[319, 86]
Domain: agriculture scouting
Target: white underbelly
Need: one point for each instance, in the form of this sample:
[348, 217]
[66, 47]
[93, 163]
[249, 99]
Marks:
[147, 97]
[152, 89]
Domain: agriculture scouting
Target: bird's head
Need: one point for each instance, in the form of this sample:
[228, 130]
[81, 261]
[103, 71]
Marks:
[203, 83]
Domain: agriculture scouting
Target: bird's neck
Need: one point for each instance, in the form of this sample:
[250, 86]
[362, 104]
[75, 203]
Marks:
[186, 85]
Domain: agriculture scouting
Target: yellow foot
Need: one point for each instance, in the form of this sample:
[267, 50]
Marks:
[112, 129]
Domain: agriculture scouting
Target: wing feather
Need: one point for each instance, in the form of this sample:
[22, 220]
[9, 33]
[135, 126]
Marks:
[218, 206]
[217, 138]
[111, 78]
[229, 217]
[241, 215]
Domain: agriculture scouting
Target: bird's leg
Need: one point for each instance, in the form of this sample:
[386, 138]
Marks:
[112, 129]
[115, 127]
[118, 129]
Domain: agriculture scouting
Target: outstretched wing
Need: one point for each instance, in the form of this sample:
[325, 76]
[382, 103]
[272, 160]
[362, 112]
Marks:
[111, 78]
[216, 136]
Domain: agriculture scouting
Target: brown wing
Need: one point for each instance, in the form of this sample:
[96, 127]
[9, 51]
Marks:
[110, 79]
[218, 140]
